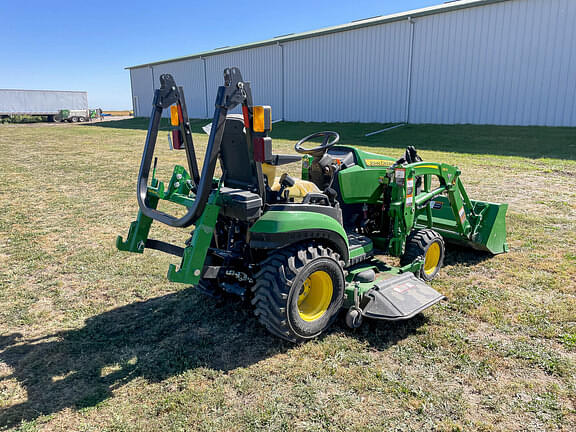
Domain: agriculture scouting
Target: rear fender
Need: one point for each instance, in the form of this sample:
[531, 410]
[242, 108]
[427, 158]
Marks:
[278, 229]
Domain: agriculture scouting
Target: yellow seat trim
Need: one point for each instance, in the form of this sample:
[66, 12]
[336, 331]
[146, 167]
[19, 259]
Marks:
[300, 189]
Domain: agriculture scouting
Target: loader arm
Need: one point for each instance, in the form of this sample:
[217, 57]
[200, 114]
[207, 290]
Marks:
[446, 208]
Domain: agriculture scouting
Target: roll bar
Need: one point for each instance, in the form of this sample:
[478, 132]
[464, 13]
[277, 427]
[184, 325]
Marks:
[234, 92]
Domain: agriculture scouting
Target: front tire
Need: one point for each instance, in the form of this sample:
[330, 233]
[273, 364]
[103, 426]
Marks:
[428, 244]
[299, 291]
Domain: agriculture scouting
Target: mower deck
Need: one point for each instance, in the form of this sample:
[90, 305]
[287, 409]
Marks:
[400, 297]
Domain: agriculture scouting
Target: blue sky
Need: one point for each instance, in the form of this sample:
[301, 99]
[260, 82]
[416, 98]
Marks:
[79, 45]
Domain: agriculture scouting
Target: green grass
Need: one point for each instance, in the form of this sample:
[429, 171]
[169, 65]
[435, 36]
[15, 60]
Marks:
[93, 339]
[23, 119]
[528, 142]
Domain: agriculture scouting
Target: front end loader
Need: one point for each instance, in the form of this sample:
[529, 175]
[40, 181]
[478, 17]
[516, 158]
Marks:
[300, 250]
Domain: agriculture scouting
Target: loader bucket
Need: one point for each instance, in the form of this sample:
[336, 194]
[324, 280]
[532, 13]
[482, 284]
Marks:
[490, 232]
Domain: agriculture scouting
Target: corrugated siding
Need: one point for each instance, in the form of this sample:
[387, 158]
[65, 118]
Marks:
[41, 101]
[357, 75]
[511, 63]
[142, 91]
[261, 66]
[190, 75]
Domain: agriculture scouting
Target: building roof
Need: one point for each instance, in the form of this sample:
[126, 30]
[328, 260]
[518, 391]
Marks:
[353, 25]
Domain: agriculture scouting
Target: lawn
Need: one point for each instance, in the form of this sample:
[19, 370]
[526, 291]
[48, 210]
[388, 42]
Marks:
[94, 339]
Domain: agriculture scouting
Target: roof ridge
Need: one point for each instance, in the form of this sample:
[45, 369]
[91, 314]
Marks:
[352, 25]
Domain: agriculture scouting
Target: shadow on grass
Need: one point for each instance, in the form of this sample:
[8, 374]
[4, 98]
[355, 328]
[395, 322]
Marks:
[523, 141]
[457, 254]
[153, 339]
[381, 335]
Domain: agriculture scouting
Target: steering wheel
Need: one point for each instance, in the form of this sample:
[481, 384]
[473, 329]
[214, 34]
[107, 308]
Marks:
[326, 143]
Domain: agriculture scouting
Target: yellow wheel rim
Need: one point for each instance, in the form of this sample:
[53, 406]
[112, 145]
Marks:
[315, 296]
[432, 258]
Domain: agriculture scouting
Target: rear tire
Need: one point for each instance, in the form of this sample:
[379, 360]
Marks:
[299, 291]
[426, 244]
[74, 119]
[82, 119]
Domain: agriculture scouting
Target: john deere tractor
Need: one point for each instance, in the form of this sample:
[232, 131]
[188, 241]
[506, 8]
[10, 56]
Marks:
[300, 250]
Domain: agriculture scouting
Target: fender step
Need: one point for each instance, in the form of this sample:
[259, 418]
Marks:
[361, 248]
[398, 298]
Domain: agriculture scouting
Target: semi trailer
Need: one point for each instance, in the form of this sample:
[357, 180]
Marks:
[47, 103]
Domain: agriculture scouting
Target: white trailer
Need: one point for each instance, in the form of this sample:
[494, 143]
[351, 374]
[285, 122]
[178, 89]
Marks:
[41, 102]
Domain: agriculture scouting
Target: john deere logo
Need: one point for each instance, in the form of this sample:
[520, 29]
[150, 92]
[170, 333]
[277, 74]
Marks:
[377, 162]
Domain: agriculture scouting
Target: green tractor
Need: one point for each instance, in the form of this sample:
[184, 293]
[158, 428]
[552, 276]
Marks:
[300, 250]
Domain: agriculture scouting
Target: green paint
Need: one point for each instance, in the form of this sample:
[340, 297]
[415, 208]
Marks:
[360, 185]
[306, 161]
[138, 232]
[382, 270]
[365, 159]
[283, 221]
[178, 189]
[194, 256]
[361, 250]
[446, 208]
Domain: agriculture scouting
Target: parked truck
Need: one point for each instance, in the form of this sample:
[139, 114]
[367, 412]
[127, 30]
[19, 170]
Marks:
[75, 116]
[47, 103]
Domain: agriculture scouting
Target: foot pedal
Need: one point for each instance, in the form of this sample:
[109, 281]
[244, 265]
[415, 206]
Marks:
[399, 298]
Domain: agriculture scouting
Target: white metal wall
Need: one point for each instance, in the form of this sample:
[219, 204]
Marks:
[190, 75]
[261, 66]
[358, 75]
[142, 91]
[508, 63]
[511, 63]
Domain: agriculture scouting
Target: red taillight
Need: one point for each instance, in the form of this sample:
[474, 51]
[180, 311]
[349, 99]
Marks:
[262, 149]
[177, 139]
[259, 149]
[246, 116]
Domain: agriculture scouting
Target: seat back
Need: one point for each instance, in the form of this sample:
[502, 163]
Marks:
[238, 166]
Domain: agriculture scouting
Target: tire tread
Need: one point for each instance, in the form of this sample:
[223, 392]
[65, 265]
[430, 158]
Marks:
[273, 283]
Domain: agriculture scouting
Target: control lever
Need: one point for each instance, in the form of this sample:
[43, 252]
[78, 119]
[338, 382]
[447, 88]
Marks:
[285, 182]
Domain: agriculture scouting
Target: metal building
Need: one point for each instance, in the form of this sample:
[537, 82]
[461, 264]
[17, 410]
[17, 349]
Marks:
[505, 62]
